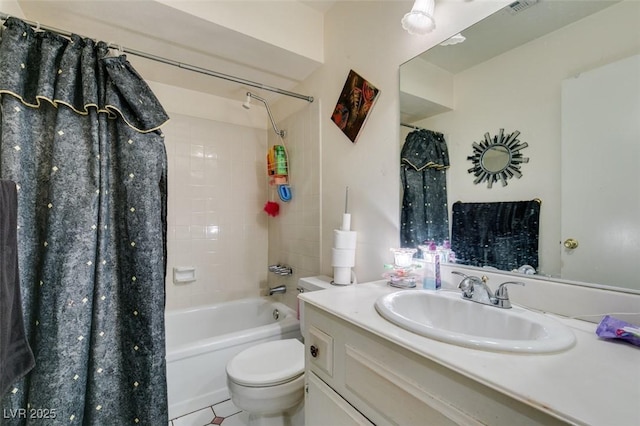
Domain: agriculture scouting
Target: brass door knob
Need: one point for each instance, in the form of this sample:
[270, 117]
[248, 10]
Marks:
[570, 243]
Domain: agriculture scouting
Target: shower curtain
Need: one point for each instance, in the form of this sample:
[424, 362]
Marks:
[79, 135]
[424, 161]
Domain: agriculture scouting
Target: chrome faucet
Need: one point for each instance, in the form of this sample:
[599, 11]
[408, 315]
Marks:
[277, 290]
[476, 289]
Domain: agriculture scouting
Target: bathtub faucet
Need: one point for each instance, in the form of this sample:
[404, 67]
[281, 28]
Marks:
[277, 290]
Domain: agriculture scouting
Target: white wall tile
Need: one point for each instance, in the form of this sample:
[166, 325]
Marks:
[214, 210]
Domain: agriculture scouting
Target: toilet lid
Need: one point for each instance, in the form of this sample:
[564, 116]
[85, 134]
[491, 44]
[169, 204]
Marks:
[268, 363]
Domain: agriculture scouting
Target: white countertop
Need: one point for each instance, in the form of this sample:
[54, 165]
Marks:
[596, 382]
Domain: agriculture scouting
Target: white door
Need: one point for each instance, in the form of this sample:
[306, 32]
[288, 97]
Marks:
[601, 174]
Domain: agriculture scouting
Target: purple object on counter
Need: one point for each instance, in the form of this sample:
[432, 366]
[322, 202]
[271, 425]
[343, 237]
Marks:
[612, 328]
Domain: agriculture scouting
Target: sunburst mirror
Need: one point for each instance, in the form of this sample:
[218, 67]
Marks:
[497, 158]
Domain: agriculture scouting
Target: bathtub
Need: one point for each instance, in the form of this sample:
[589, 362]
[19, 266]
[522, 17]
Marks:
[200, 341]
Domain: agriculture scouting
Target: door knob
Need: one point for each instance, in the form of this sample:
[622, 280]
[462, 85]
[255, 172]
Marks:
[570, 243]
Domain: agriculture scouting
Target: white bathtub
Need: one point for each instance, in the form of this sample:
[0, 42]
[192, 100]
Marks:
[200, 342]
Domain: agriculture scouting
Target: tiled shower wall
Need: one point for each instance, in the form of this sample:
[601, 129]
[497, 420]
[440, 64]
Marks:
[294, 235]
[217, 188]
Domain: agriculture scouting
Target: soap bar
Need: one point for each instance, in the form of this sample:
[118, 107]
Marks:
[613, 328]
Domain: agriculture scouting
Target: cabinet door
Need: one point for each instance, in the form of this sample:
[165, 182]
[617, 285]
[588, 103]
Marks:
[323, 406]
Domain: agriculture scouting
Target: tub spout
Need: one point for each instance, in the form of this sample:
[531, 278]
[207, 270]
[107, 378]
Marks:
[277, 290]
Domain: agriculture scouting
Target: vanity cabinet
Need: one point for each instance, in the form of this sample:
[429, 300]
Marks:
[362, 378]
[323, 406]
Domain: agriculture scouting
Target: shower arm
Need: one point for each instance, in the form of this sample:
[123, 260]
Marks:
[281, 133]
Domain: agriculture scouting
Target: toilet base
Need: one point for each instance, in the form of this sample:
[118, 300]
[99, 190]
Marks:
[294, 416]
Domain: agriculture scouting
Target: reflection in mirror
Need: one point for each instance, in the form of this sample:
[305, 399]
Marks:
[502, 235]
[424, 160]
[495, 159]
[566, 74]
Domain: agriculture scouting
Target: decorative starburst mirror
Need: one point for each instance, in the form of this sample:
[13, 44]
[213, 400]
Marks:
[497, 158]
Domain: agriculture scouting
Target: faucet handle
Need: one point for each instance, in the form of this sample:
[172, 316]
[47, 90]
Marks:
[466, 285]
[459, 273]
[282, 270]
[502, 295]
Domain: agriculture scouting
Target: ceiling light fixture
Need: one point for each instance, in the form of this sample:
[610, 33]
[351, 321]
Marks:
[420, 20]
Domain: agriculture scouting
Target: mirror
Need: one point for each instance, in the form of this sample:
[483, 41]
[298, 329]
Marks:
[517, 70]
[497, 158]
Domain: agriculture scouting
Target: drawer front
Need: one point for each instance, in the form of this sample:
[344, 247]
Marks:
[320, 350]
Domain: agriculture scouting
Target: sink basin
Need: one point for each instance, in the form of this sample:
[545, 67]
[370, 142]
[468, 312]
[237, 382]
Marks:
[445, 316]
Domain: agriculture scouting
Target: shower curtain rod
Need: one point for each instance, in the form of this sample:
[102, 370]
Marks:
[38, 26]
[411, 126]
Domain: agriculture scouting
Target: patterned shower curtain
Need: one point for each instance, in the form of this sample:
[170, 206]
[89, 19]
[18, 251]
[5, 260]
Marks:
[79, 135]
[424, 161]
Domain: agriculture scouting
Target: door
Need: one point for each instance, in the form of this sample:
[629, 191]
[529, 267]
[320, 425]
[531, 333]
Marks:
[323, 406]
[600, 174]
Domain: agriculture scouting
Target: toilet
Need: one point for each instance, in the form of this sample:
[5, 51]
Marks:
[267, 380]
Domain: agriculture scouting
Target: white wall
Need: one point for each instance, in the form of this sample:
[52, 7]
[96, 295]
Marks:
[368, 38]
[217, 188]
[11, 7]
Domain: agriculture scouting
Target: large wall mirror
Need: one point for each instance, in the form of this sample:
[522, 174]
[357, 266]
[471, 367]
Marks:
[566, 74]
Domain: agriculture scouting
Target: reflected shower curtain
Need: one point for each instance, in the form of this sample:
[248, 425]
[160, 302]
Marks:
[424, 161]
[79, 136]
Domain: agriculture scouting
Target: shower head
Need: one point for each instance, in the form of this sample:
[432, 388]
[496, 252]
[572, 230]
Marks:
[247, 105]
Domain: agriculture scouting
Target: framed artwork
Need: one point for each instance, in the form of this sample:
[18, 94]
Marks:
[354, 105]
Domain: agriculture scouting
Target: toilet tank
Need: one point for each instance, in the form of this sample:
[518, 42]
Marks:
[320, 282]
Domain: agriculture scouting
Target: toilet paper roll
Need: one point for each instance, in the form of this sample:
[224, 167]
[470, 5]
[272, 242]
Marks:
[344, 239]
[346, 222]
[343, 257]
[342, 276]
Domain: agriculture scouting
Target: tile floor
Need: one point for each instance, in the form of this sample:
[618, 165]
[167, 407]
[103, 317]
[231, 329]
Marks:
[224, 413]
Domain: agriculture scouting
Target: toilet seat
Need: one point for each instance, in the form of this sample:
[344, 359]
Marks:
[268, 364]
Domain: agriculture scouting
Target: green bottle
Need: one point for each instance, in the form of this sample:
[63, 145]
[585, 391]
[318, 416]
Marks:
[281, 161]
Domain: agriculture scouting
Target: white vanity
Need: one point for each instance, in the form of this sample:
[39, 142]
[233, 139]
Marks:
[362, 369]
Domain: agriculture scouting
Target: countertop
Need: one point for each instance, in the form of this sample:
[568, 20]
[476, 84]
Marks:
[596, 382]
